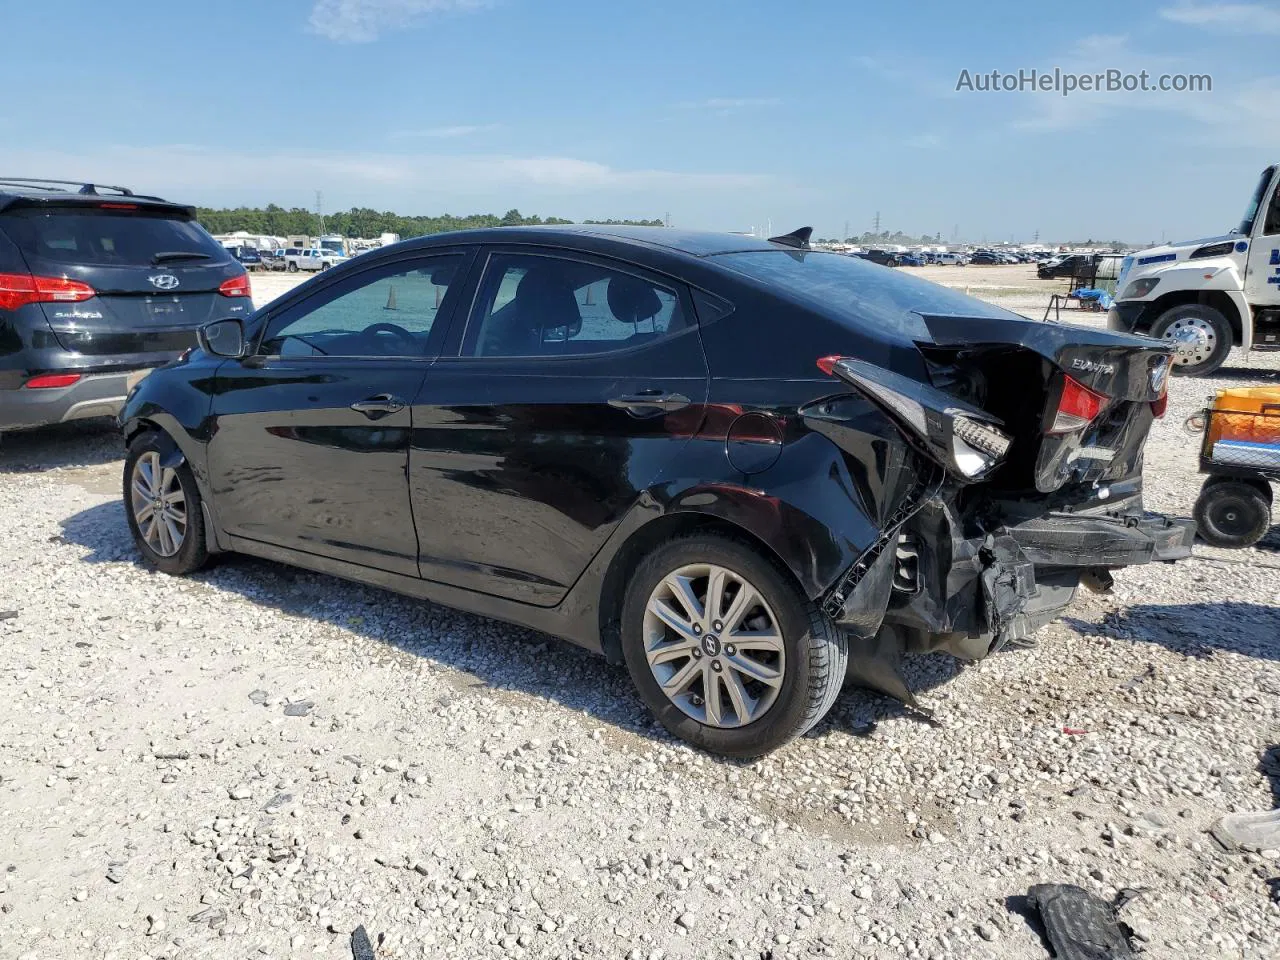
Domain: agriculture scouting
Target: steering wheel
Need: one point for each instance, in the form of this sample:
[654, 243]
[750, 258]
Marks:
[400, 332]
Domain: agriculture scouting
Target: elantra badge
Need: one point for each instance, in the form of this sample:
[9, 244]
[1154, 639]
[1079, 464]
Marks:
[164, 281]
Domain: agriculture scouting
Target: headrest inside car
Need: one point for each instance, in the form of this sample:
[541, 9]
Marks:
[632, 300]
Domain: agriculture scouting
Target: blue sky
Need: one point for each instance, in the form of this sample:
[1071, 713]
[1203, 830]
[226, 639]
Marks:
[726, 114]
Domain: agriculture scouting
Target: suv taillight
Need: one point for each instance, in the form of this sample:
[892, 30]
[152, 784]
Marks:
[19, 289]
[1077, 408]
[235, 287]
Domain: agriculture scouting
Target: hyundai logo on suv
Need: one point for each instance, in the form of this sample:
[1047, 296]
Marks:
[163, 281]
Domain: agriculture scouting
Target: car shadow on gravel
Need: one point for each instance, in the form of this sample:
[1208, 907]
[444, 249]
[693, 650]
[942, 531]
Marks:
[498, 655]
[1195, 629]
[81, 443]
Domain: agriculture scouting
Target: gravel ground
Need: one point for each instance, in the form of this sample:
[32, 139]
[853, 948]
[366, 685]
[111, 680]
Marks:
[253, 761]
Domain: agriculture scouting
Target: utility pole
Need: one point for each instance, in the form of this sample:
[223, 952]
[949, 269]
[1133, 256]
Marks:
[845, 235]
[666, 219]
[319, 211]
[1036, 237]
[876, 224]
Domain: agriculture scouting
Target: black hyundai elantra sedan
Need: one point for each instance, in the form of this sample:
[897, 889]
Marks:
[744, 468]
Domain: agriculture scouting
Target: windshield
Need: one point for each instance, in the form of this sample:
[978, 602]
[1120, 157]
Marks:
[1251, 212]
[858, 292]
[103, 238]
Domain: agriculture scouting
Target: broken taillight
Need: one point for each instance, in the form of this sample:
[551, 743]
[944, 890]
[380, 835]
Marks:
[1077, 408]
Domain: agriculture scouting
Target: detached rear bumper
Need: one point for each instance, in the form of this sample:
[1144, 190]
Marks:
[1063, 540]
[94, 395]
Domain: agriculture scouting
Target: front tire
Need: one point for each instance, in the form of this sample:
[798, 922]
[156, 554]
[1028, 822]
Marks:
[162, 505]
[725, 650]
[1232, 513]
[1201, 337]
[292, 268]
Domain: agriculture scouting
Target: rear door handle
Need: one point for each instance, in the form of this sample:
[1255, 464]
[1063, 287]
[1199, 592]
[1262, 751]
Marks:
[648, 403]
[379, 406]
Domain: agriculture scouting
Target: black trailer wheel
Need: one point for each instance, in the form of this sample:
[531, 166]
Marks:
[1232, 513]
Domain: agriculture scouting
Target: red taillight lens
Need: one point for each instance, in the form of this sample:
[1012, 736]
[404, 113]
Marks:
[48, 381]
[235, 287]
[19, 289]
[1078, 407]
[828, 364]
[1158, 407]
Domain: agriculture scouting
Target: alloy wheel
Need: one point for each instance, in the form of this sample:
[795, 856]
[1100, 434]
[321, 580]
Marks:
[714, 645]
[1194, 340]
[159, 504]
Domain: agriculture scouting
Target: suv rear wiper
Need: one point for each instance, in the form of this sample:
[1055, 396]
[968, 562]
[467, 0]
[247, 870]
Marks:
[165, 257]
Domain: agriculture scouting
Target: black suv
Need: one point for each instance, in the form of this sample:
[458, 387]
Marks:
[98, 285]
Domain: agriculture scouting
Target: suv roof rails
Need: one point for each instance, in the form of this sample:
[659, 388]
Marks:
[40, 183]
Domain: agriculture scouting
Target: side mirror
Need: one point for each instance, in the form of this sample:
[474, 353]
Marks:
[222, 338]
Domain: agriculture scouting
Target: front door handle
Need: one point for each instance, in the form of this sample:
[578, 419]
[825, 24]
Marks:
[649, 403]
[379, 406]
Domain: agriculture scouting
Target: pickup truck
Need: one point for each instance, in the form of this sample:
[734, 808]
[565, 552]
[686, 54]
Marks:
[312, 259]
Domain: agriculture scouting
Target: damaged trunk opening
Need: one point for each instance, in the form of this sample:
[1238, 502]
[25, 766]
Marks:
[1017, 482]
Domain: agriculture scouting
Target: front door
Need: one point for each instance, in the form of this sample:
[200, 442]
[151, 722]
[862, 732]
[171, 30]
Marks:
[311, 434]
[1262, 276]
[575, 384]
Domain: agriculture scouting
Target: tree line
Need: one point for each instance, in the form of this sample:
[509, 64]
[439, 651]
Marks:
[276, 221]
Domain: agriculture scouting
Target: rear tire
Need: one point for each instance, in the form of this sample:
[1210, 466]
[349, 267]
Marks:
[785, 677]
[175, 542]
[292, 268]
[1232, 513]
[1201, 336]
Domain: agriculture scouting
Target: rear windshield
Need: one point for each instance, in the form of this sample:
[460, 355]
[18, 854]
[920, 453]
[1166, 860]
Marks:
[858, 292]
[107, 238]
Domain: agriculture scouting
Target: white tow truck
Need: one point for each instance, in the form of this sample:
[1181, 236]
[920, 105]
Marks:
[1209, 295]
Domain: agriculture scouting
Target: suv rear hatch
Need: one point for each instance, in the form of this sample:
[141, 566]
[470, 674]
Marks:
[135, 277]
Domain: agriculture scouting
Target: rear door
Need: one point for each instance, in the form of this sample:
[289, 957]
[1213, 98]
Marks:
[156, 274]
[310, 443]
[576, 383]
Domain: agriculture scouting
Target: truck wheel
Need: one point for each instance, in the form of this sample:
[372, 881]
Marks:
[1200, 335]
[725, 650]
[1232, 513]
[292, 268]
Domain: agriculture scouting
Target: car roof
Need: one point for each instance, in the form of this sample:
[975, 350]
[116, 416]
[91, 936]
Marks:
[695, 243]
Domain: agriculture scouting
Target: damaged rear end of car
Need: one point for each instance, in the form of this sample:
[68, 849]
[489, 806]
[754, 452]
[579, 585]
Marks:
[1026, 443]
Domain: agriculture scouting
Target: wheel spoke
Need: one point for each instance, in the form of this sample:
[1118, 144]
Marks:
[144, 513]
[767, 639]
[679, 681]
[743, 704]
[769, 676]
[667, 652]
[717, 580]
[682, 589]
[711, 694]
[742, 603]
[668, 615]
[174, 535]
[140, 488]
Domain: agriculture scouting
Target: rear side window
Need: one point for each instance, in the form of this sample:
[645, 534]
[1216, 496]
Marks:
[107, 238]
[536, 305]
[858, 293]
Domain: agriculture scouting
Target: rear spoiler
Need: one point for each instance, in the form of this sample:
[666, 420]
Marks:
[97, 201]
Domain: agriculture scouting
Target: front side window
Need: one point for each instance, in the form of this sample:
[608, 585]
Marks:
[388, 311]
[531, 305]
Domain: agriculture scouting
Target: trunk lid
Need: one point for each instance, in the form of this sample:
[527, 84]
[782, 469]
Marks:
[1022, 372]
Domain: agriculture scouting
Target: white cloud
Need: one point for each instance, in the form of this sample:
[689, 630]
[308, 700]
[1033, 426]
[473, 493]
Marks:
[446, 133]
[727, 105]
[408, 182]
[1248, 18]
[361, 21]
